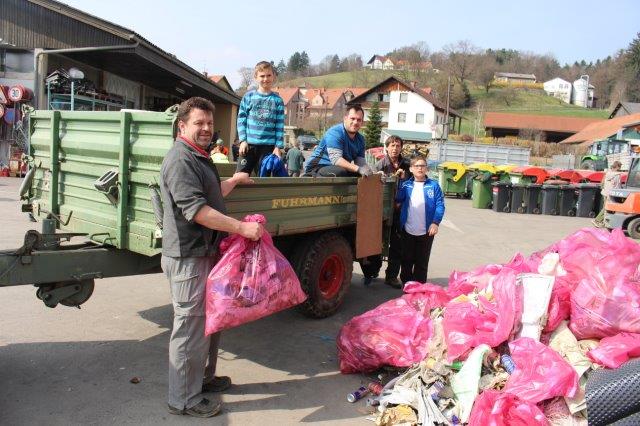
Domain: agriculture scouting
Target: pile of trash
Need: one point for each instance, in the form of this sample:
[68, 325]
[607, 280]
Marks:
[509, 344]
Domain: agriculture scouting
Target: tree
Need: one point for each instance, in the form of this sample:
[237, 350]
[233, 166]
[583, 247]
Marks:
[461, 56]
[304, 62]
[633, 54]
[334, 64]
[486, 68]
[246, 78]
[374, 126]
[293, 66]
[281, 68]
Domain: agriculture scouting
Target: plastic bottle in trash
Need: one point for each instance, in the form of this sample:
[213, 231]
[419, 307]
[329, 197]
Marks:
[358, 394]
[507, 363]
[456, 365]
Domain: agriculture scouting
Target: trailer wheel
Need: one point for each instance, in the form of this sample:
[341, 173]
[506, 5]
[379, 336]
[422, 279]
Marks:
[633, 228]
[66, 293]
[324, 267]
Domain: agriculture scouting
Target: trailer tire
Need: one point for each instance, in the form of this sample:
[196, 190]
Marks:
[633, 228]
[324, 268]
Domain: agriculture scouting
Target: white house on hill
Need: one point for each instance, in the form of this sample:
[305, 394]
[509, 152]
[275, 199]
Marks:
[378, 62]
[558, 88]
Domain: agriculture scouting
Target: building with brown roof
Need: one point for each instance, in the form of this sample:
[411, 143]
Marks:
[220, 80]
[543, 127]
[378, 62]
[421, 110]
[295, 105]
[602, 129]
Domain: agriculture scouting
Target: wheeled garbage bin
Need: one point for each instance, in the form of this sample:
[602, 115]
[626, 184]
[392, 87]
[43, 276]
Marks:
[567, 200]
[550, 199]
[517, 197]
[481, 194]
[587, 196]
[501, 195]
[532, 198]
[452, 178]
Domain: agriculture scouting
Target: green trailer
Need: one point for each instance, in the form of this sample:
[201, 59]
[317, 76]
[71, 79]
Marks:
[93, 183]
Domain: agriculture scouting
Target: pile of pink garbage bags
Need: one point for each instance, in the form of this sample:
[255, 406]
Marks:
[595, 289]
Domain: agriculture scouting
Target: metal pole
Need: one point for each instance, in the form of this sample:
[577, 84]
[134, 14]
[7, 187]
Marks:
[445, 134]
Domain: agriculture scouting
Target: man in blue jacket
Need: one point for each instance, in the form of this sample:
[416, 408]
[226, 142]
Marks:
[421, 211]
[340, 153]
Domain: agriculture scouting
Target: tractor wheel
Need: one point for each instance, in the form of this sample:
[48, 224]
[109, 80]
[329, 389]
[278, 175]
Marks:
[588, 165]
[324, 266]
[633, 228]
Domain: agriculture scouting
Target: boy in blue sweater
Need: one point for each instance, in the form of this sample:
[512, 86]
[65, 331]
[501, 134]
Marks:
[421, 210]
[260, 121]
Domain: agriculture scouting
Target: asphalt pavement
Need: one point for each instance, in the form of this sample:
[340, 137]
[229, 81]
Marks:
[68, 366]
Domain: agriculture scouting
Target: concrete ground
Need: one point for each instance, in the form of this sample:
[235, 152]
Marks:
[67, 366]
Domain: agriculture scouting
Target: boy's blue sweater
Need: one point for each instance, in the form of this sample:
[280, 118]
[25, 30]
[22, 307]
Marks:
[261, 119]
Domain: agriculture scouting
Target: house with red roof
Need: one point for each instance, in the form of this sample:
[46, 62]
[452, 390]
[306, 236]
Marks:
[220, 80]
[378, 62]
[295, 105]
[408, 111]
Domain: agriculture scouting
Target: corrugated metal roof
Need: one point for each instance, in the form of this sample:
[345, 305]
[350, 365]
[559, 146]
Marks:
[50, 24]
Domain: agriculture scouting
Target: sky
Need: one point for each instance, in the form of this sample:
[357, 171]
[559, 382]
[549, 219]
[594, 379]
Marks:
[221, 36]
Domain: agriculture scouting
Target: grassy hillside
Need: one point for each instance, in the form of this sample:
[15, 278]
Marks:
[524, 101]
[520, 101]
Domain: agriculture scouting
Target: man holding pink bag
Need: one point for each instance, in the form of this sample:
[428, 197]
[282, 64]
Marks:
[193, 221]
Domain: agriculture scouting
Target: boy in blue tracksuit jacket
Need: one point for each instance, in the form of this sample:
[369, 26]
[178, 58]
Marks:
[421, 211]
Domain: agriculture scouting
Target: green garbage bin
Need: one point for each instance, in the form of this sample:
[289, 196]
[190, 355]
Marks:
[452, 179]
[481, 193]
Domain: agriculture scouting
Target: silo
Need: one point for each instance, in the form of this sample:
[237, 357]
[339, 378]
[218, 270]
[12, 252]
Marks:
[580, 92]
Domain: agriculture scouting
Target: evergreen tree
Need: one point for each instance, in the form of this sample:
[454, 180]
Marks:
[374, 126]
[335, 64]
[633, 54]
[293, 66]
[304, 62]
[281, 68]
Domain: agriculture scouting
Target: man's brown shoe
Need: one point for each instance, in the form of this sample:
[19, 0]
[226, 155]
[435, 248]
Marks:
[217, 384]
[204, 408]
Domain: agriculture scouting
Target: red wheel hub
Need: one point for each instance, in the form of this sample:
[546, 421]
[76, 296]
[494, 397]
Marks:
[331, 276]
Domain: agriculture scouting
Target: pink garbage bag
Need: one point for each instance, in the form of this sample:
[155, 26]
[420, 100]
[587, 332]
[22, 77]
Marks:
[480, 278]
[604, 308]
[494, 408]
[251, 280]
[610, 262]
[614, 351]
[395, 333]
[541, 373]
[559, 304]
[466, 325]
